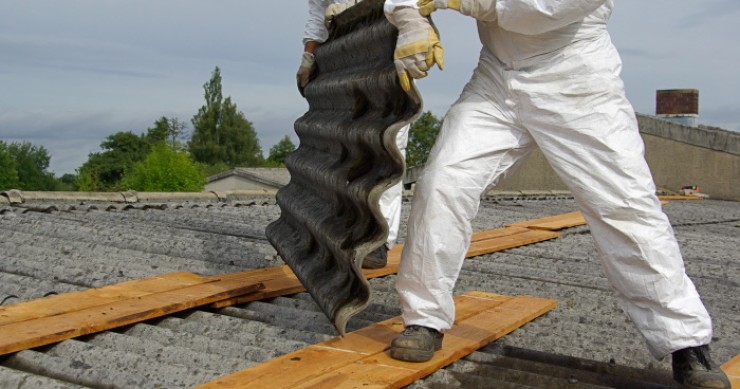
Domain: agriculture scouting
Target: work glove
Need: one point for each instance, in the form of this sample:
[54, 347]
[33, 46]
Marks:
[418, 47]
[426, 7]
[483, 10]
[335, 9]
[308, 66]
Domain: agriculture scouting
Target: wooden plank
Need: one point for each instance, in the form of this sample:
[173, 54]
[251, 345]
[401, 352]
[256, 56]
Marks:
[680, 197]
[73, 301]
[557, 222]
[732, 369]
[528, 236]
[497, 233]
[360, 359]
[51, 329]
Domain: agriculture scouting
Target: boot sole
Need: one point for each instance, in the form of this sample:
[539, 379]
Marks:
[411, 355]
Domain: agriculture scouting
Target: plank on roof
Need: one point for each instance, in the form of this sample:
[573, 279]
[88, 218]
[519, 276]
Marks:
[77, 319]
[557, 222]
[73, 301]
[732, 369]
[360, 359]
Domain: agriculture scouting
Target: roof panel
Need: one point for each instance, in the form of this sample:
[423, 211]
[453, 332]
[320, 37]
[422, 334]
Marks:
[330, 219]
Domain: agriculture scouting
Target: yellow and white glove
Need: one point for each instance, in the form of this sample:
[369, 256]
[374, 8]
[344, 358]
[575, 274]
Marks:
[335, 9]
[418, 47]
[308, 66]
[483, 10]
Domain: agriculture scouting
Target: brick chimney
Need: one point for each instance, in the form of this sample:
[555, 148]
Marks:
[678, 105]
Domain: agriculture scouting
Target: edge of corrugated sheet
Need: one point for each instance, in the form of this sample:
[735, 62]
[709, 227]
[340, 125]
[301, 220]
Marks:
[347, 157]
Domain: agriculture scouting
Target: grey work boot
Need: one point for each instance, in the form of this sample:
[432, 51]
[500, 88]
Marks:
[693, 368]
[376, 259]
[416, 344]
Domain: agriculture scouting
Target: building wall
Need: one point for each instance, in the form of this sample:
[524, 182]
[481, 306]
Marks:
[675, 164]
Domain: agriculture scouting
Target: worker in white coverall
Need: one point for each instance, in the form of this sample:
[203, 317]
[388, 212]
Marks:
[548, 77]
[320, 12]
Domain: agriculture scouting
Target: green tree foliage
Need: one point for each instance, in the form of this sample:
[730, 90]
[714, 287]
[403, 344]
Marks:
[104, 170]
[422, 135]
[24, 167]
[8, 171]
[221, 133]
[165, 169]
[279, 151]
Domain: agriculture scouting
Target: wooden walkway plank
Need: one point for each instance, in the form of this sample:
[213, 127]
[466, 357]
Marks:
[557, 222]
[360, 359]
[73, 301]
[528, 236]
[51, 329]
[732, 369]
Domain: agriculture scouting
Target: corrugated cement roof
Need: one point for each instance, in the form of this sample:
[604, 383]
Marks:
[59, 246]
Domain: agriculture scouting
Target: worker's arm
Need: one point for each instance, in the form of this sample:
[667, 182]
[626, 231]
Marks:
[529, 17]
[315, 30]
[314, 34]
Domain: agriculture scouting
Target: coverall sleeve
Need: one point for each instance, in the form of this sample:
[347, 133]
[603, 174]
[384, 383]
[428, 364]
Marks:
[391, 5]
[533, 17]
[315, 29]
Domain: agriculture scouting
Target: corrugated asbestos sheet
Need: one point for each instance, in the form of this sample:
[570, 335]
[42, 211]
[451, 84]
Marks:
[347, 157]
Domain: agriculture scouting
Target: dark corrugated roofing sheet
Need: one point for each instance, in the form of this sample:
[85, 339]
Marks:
[347, 157]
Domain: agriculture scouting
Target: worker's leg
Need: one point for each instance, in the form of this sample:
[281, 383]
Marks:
[390, 201]
[476, 146]
[589, 134]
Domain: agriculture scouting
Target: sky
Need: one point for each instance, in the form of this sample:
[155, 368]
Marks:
[75, 71]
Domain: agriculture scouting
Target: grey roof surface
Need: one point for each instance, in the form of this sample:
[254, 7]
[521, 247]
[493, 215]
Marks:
[55, 247]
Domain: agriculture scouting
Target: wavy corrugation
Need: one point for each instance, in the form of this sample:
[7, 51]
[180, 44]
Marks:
[347, 157]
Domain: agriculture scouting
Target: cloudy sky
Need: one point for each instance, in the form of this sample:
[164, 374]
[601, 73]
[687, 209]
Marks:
[74, 71]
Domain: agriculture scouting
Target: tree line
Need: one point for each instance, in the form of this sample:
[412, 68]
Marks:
[162, 159]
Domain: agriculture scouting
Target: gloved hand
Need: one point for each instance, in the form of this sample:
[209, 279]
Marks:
[335, 9]
[418, 47]
[484, 10]
[308, 66]
[426, 7]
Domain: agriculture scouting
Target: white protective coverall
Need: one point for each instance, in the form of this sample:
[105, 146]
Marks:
[390, 201]
[549, 76]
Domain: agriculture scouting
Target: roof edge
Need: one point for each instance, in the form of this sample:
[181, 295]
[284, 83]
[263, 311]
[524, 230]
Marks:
[712, 138]
[15, 196]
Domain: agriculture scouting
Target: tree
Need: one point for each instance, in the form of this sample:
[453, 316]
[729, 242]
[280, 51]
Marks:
[221, 133]
[103, 171]
[8, 171]
[165, 169]
[24, 167]
[166, 129]
[422, 135]
[279, 151]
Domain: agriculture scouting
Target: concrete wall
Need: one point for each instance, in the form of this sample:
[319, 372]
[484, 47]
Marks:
[680, 155]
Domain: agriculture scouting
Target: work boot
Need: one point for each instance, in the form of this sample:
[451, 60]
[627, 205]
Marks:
[416, 344]
[376, 259]
[693, 368]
